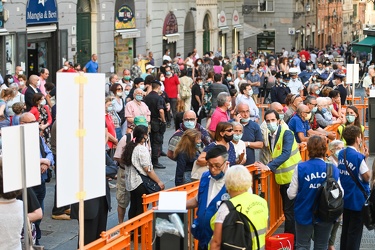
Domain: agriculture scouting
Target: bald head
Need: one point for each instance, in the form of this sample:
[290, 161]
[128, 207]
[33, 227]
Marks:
[33, 80]
[277, 107]
[189, 115]
[302, 108]
[27, 117]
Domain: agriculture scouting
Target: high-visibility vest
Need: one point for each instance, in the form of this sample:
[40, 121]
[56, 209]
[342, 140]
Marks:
[284, 173]
[256, 209]
[341, 128]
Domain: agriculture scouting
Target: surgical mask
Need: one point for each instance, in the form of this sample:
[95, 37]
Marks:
[65, 67]
[127, 78]
[308, 116]
[20, 72]
[319, 84]
[198, 145]
[126, 92]
[317, 92]
[237, 137]
[281, 116]
[245, 120]
[272, 126]
[208, 82]
[22, 83]
[290, 61]
[219, 176]
[251, 92]
[168, 73]
[200, 84]
[314, 109]
[229, 78]
[324, 110]
[314, 79]
[142, 86]
[350, 118]
[38, 83]
[251, 71]
[327, 68]
[139, 97]
[228, 138]
[273, 64]
[330, 107]
[119, 93]
[10, 80]
[242, 75]
[199, 63]
[109, 109]
[162, 79]
[189, 124]
[309, 68]
[337, 153]
[169, 64]
[43, 102]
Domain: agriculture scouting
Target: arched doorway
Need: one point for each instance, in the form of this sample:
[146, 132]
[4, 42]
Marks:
[83, 31]
[189, 34]
[206, 34]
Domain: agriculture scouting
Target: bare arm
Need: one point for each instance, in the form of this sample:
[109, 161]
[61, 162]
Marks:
[201, 161]
[35, 215]
[192, 203]
[154, 177]
[161, 112]
[216, 238]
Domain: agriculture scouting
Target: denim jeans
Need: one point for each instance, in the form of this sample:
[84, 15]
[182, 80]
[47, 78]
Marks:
[321, 232]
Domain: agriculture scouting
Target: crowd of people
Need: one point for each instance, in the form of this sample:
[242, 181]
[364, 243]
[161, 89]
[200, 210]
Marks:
[212, 103]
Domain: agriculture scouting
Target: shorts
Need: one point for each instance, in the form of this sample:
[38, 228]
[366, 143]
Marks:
[122, 195]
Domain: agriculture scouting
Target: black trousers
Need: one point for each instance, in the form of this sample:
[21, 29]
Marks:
[156, 139]
[136, 206]
[288, 207]
[352, 228]
[57, 210]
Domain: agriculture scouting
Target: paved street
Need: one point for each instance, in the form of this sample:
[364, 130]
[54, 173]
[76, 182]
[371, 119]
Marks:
[62, 235]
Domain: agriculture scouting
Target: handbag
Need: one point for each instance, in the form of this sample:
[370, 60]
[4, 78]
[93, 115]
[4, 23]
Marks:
[367, 211]
[150, 185]
[197, 171]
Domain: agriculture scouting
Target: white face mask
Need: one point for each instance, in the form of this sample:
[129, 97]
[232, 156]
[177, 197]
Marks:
[20, 72]
[43, 102]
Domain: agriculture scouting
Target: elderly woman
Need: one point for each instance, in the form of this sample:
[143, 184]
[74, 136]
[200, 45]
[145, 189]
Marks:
[306, 178]
[292, 101]
[136, 107]
[43, 115]
[239, 145]
[224, 103]
[323, 115]
[6, 95]
[238, 181]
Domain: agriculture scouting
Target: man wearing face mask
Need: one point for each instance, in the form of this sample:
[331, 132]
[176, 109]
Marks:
[295, 85]
[149, 71]
[254, 80]
[31, 90]
[243, 65]
[306, 75]
[189, 121]
[224, 103]
[126, 78]
[252, 135]
[171, 87]
[211, 192]
[246, 97]
[239, 79]
[285, 156]
[280, 91]
[18, 72]
[136, 107]
[340, 87]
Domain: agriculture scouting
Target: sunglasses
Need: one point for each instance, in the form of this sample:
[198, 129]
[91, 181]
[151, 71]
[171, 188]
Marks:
[229, 130]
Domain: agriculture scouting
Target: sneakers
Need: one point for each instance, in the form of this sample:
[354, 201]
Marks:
[61, 217]
[159, 166]
[111, 185]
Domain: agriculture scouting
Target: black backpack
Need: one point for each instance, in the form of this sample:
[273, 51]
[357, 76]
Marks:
[236, 232]
[329, 208]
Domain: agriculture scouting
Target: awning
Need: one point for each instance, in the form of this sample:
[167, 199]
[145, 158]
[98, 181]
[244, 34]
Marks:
[129, 33]
[365, 45]
[4, 32]
[224, 29]
[239, 26]
[172, 38]
[41, 29]
[250, 30]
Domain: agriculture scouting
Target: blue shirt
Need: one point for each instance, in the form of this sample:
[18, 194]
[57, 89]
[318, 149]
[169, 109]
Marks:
[231, 152]
[305, 76]
[251, 133]
[253, 78]
[49, 156]
[91, 67]
[297, 125]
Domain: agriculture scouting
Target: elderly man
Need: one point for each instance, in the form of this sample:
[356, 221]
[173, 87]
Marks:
[44, 74]
[46, 161]
[323, 115]
[367, 81]
[126, 78]
[224, 103]
[18, 72]
[246, 97]
[92, 66]
[31, 90]
[112, 80]
[252, 136]
[136, 108]
[211, 192]
[240, 78]
[295, 85]
[189, 121]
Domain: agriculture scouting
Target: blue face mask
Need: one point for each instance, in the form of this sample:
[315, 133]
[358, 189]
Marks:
[245, 120]
[189, 124]
[168, 73]
[337, 153]
[281, 116]
[229, 78]
[139, 97]
[219, 176]
[314, 109]
[324, 110]
[237, 137]
[272, 126]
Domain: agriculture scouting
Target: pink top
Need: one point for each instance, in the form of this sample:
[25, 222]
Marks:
[41, 87]
[218, 69]
[219, 115]
[132, 109]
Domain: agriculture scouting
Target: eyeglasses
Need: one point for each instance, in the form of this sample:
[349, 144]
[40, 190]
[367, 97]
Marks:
[313, 104]
[229, 130]
[215, 167]
[244, 112]
[190, 119]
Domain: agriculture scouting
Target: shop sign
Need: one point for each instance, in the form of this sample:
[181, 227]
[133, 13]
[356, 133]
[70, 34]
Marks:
[236, 18]
[222, 19]
[125, 18]
[170, 24]
[41, 12]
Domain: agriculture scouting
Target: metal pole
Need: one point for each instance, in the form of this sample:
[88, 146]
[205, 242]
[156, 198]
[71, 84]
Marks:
[24, 187]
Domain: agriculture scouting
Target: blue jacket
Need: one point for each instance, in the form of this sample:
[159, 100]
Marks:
[201, 228]
[311, 175]
[353, 198]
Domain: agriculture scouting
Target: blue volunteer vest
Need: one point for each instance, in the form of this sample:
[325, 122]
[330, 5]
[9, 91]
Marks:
[311, 175]
[353, 197]
[201, 226]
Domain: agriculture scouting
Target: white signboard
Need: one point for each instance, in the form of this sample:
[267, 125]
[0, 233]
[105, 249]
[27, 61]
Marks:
[172, 201]
[67, 136]
[352, 73]
[11, 141]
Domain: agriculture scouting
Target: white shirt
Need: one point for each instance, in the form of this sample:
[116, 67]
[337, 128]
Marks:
[11, 223]
[214, 188]
[313, 58]
[165, 57]
[254, 110]
[295, 86]
[240, 148]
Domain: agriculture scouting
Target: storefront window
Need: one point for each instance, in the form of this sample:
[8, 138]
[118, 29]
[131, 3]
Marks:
[266, 41]
[123, 54]
[10, 60]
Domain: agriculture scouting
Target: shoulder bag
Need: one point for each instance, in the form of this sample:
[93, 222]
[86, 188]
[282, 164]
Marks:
[368, 213]
[150, 185]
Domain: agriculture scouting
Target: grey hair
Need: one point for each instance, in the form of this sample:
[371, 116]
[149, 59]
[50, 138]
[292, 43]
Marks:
[238, 178]
[222, 98]
[136, 90]
[234, 123]
[333, 144]
[135, 60]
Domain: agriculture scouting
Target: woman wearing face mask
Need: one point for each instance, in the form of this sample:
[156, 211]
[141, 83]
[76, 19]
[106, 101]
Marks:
[198, 62]
[186, 152]
[239, 145]
[197, 93]
[22, 84]
[8, 79]
[118, 103]
[272, 65]
[112, 140]
[126, 93]
[284, 66]
[228, 80]
[223, 136]
[6, 95]
[352, 118]
[138, 84]
[17, 98]
[43, 115]
[323, 115]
